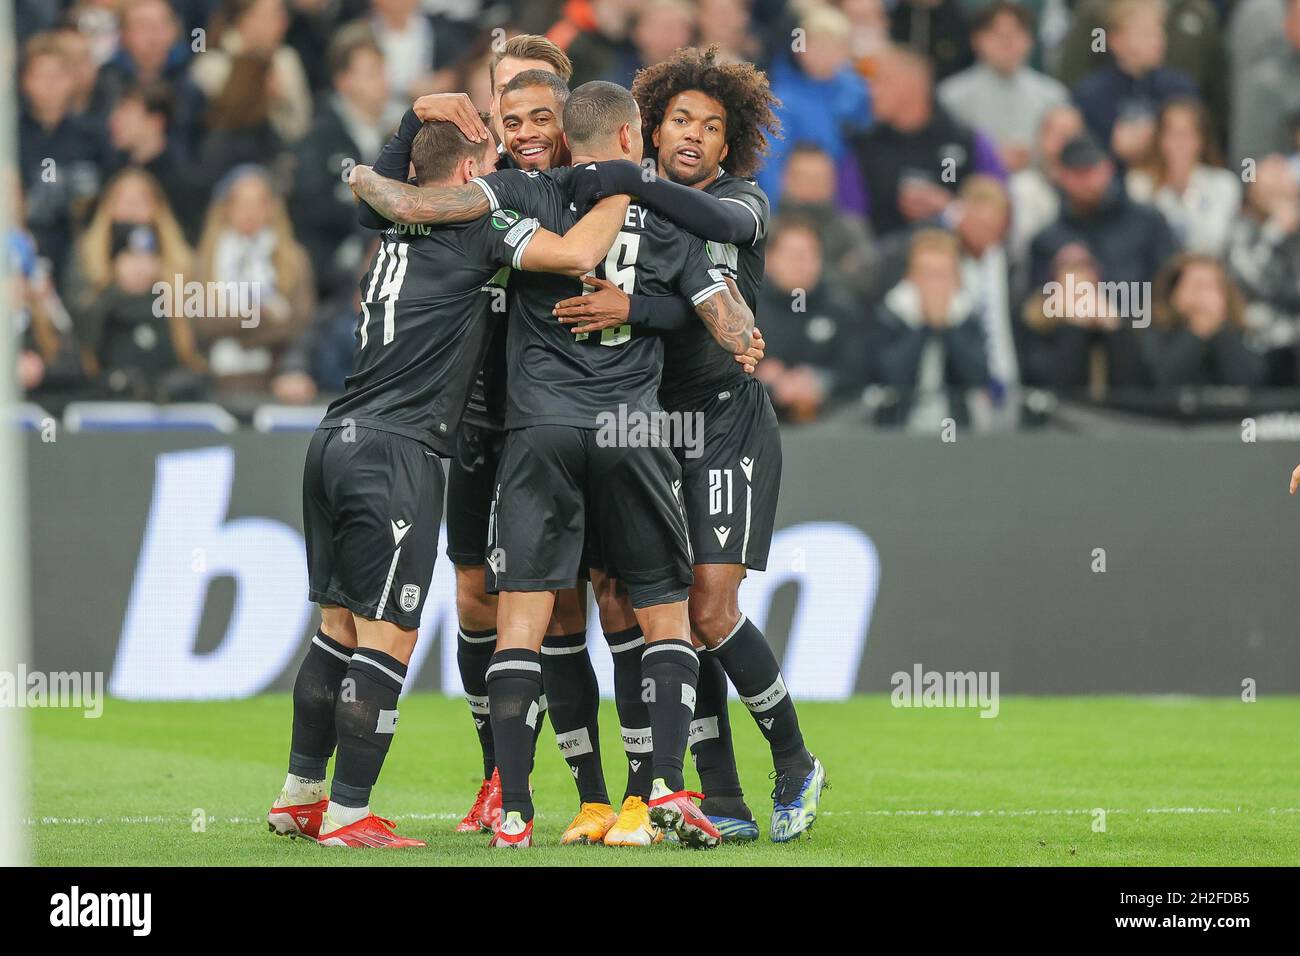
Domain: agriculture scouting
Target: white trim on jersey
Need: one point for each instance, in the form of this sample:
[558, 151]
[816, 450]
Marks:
[517, 261]
[758, 223]
[493, 204]
[708, 292]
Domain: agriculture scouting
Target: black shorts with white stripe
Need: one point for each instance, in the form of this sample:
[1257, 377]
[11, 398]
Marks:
[731, 488]
[372, 506]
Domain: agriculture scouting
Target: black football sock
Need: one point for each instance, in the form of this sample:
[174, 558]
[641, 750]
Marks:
[514, 682]
[366, 717]
[633, 714]
[710, 740]
[669, 670]
[573, 698]
[748, 660]
[315, 692]
[473, 651]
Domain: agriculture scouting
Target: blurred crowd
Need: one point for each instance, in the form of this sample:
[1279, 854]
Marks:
[971, 197]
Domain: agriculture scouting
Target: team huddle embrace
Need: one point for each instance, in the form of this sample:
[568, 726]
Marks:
[572, 259]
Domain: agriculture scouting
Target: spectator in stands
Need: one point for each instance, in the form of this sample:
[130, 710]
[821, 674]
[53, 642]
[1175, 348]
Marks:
[868, 33]
[1070, 339]
[48, 360]
[1193, 41]
[808, 191]
[659, 29]
[595, 35]
[1035, 195]
[256, 88]
[823, 99]
[1198, 338]
[81, 64]
[61, 156]
[1130, 240]
[1269, 98]
[1256, 33]
[417, 48]
[351, 126]
[1000, 95]
[1119, 101]
[813, 331]
[131, 198]
[982, 221]
[138, 353]
[1264, 256]
[928, 343]
[151, 52]
[248, 239]
[907, 168]
[727, 24]
[1184, 178]
[311, 25]
[138, 132]
[935, 28]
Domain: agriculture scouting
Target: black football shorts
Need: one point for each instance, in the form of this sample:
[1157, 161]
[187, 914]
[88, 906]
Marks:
[557, 485]
[471, 480]
[372, 506]
[731, 488]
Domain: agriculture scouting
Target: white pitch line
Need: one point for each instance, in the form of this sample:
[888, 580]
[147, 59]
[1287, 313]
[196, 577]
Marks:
[1051, 812]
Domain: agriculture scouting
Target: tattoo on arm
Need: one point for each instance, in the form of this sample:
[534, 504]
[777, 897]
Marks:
[729, 319]
[434, 205]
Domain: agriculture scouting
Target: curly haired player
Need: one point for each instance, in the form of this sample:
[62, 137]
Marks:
[697, 114]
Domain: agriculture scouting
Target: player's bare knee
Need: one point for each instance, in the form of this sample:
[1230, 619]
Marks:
[475, 608]
[712, 615]
[615, 607]
[336, 624]
[386, 637]
[570, 613]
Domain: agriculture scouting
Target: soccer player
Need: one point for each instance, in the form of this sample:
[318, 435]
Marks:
[532, 141]
[372, 484]
[529, 114]
[698, 114]
[556, 466]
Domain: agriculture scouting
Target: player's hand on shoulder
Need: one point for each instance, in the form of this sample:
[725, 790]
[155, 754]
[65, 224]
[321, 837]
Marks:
[355, 175]
[750, 358]
[1295, 479]
[604, 308]
[452, 108]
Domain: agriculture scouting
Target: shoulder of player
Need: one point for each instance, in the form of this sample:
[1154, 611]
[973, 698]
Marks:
[727, 186]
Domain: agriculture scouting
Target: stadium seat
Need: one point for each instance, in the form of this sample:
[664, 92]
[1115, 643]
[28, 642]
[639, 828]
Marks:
[144, 416]
[288, 418]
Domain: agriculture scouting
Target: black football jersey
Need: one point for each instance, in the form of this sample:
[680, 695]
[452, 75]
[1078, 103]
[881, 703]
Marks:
[558, 378]
[487, 399]
[427, 308]
[694, 365]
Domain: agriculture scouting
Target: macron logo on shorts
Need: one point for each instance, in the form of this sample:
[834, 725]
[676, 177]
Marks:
[400, 527]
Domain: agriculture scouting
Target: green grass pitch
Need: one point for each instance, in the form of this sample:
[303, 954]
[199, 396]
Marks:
[1183, 781]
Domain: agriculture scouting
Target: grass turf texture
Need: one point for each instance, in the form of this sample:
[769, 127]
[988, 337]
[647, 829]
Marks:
[1224, 776]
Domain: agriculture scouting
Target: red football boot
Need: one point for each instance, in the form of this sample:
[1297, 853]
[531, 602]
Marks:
[490, 814]
[473, 821]
[368, 831]
[295, 821]
[514, 833]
